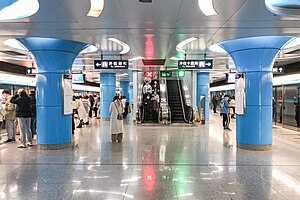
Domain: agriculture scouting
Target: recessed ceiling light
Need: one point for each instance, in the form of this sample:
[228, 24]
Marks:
[180, 46]
[292, 43]
[96, 8]
[19, 9]
[15, 44]
[89, 49]
[206, 6]
[126, 47]
[136, 58]
[216, 48]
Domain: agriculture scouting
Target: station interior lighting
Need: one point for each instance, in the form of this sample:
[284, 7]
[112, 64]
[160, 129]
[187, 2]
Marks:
[89, 49]
[206, 6]
[15, 44]
[180, 46]
[126, 47]
[19, 9]
[96, 8]
[136, 58]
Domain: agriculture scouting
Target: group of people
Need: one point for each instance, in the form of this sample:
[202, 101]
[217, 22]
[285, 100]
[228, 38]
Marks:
[19, 113]
[83, 107]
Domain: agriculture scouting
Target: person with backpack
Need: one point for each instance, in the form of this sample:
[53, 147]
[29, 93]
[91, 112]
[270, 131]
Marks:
[225, 112]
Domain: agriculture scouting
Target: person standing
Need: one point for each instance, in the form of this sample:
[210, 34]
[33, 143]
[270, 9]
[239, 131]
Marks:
[225, 112]
[232, 107]
[215, 103]
[92, 102]
[2, 112]
[81, 112]
[116, 125]
[9, 116]
[33, 110]
[23, 114]
[86, 105]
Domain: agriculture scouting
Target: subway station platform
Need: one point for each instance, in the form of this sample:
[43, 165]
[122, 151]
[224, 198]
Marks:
[153, 163]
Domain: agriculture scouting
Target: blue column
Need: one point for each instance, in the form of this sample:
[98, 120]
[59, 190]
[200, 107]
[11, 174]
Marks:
[203, 80]
[54, 58]
[255, 57]
[107, 92]
[124, 88]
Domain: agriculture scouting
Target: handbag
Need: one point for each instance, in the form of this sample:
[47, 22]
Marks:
[120, 115]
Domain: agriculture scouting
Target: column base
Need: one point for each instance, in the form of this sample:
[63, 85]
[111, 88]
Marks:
[54, 146]
[255, 147]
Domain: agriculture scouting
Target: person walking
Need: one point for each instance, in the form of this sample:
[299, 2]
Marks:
[232, 107]
[116, 123]
[23, 114]
[225, 112]
[9, 116]
[86, 105]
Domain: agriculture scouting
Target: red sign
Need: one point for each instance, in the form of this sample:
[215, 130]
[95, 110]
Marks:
[149, 74]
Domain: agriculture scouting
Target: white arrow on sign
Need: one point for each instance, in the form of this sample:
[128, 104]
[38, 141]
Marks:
[208, 64]
[280, 69]
[98, 64]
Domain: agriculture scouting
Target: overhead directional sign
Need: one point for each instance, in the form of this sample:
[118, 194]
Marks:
[31, 71]
[195, 64]
[278, 70]
[111, 64]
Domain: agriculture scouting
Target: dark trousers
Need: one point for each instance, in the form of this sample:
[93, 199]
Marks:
[33, 125]
[225, 120]
[215, 108]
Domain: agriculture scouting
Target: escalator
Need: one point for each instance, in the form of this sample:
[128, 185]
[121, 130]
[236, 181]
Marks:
[175, 102]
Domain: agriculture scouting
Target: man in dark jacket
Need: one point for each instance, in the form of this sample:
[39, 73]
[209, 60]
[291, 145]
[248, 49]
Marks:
[23, 114]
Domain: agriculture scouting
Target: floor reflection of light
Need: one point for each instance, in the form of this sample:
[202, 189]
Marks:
[97, 177]
[183, 181]
[13, 189]
[124, 184]
[216, 136]
[220, 169]
[105, 192]
[206, 174]
[75, 181]
[184, 195]
[131, 180]
[286, 180]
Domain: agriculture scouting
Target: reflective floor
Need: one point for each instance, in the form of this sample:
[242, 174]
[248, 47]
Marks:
[153, 163]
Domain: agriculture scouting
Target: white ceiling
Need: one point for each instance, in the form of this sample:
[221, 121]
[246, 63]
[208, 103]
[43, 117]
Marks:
[151, 29]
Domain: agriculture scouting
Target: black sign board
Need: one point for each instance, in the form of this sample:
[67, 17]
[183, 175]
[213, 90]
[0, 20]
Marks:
[31, 71]
[195, 64]
[111, 64]
[278, 70]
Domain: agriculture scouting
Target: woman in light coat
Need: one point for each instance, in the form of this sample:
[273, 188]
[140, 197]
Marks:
[81, 112]
[116, 126]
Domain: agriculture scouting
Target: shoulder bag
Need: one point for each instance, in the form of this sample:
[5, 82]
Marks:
[120, 115]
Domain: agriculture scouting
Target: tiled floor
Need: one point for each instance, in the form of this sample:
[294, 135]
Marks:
[153, 163]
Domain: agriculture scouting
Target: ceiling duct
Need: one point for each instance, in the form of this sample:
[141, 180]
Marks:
[157, 62]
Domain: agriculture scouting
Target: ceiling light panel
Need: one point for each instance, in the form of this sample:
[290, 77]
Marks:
[19, 9]
[206, 6]
[180, 46]
[126, 47]
[96, 8]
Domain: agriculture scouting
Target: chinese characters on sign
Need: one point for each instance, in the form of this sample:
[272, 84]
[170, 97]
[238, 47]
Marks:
[111, 64]
[195, 64]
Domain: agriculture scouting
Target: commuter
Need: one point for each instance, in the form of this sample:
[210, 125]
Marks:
[2, 114]
[123, 100]
[147, 108]
[86, 105]
[232, 107]
[96, 105]
[81, 112]
[23, 114]
[10, 116]
[92, 103]
[280, 102]
[116, 120]
[297, 110]
[225, 112]
[215, 103]
[155, 108]
[75, 112]
[33, 110]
